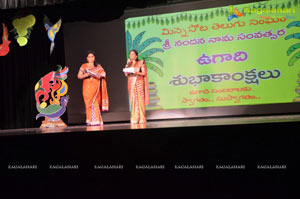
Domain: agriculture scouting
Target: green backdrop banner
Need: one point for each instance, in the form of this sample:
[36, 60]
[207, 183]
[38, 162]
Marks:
[236, 55]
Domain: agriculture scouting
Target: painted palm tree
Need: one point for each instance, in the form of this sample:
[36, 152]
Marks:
[294, 47]
[153, 63]
[296, 55]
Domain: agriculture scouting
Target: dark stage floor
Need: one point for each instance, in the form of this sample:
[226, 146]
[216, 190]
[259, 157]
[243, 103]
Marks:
[158, 124]
[207, 142]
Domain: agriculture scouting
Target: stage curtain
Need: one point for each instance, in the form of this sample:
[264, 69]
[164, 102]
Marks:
[22, 68]
[8, 4]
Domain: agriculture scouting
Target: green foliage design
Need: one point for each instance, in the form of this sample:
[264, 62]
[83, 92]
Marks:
[144, 50]
[295, 47]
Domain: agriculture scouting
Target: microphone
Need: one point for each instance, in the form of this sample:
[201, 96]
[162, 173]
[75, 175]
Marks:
[128, 62]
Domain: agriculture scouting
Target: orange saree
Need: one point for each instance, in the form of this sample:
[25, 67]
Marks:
[138, 90]
[95, 94]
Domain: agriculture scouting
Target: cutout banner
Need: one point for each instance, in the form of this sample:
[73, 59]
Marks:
[235, 55]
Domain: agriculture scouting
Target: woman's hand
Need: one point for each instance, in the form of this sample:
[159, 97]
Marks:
[136, 70]
[82, 75]
[141, 71]
[103, 74]
[85, 75]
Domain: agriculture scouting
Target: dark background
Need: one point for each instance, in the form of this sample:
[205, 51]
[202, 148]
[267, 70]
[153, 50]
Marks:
[97, 26]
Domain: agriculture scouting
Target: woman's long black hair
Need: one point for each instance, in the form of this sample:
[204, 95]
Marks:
[92, 52]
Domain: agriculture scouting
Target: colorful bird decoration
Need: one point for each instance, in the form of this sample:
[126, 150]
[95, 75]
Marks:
[52, 30]
[4, 47]
[51, 101]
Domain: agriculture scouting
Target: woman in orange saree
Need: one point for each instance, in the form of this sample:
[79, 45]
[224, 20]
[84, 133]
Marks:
[138, 88]
[94, 90]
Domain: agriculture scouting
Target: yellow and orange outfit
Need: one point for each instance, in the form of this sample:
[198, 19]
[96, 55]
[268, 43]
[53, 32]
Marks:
[138, 89]
[95, 95]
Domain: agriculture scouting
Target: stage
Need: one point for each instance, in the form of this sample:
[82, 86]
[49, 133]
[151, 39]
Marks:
[166, 156]
[158, 124]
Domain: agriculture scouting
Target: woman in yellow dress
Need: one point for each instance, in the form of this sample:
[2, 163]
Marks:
[94, 90]
[138, 88]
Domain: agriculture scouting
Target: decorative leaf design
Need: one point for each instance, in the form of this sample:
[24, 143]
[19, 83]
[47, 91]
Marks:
[129, 41]
[283, 6]
[293, 48]
[155, 60]
[137, 40]
[155, 68]
[217, 12]
[152, 62]
[172, 20]
[294, 58]
[181, 17]
[296, 36]
[195, 18]
[201, 18]
[150, 52]
[206, 17]
[222, 12]
[146, 43]
[295, 2]
[226, 13]
[294, 23]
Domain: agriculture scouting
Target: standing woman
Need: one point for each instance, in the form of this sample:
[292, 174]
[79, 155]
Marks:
[137, 88]
[94, 89]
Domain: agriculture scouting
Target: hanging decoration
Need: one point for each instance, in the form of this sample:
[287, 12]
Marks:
[4, 47]
[22, 28]
[230, 12]
[52, 30]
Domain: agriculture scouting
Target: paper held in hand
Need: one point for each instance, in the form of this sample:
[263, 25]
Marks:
[92, 73]
[128, 70]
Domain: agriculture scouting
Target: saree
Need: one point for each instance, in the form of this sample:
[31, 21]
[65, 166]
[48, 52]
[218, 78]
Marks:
[138, 88]
[95, 95]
